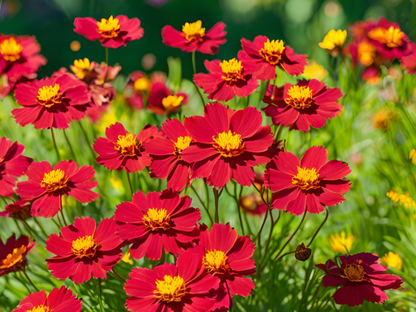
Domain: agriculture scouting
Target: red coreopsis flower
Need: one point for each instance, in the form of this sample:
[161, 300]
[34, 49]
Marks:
[157, 221]
[19, 58]
[228, 144]
[124, 150]
[20, 209]
[46, 186]
[112, 32]
[166, 152]
[164, 101]
[193, 37]
[12, 165]
[183, 287]
[136, 89]
[262, 56]
[62, 300]
[51, 102]
[361, 276]
[253, 203]
[13, 254]
[309, 103]
[225, 80]
[409, 61]
[83, 249]
[311, 184]
[228, 257]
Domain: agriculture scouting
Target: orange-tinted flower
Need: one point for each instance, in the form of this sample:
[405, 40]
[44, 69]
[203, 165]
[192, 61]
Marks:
[164, 101]
[13, 254]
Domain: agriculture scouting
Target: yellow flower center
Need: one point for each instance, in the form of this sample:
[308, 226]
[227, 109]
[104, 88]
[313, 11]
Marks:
[391, 37]
[13, 258]
[215, 262]
[172, 101]
[128, 145]
[49, 95]
[333, 39]
[84, 247]
[229, 144]
[354, 272]
[109, 28]
[157, 218]
[193, 31]
[142, 84]
[182, 143]
[232, 70]
[10, 50]
[81, 68]
[40, 308]
[272, 51]
[171, 289]
[306, 179]
[299, 97]
[54, 180]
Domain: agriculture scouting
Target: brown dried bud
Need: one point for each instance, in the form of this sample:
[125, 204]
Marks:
[302, 252]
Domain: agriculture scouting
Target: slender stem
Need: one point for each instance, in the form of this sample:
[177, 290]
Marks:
[237, 200]
[203, 205]
[54, 143]
[87, 139]
[206, 192]
[216, 197]
[106, 55]
[274, 87]
[197, 89]
[56, 223]
[290, 238]
[99, 295]
[408, 116]
[22, 282]
[320, 227]
[5, 202]
[261, 229]
[128, 179]
[118, 275]
[30, 281]
[40, 226]
[63, 217]
[70, 146]
[272, 225]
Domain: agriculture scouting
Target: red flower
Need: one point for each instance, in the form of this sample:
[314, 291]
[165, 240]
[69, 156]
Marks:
[124, 150]
[309, 103]
[193, 37]
[228, 144]
[19, 58]
[183, 287]
[136, 88]
[225, 80]
[46, 186]
[51, 102]
[13, 254]
[409, 61]
[166, 153]
[361, 277]
[253, 203]
[20, 209]
[60, 300]
[157, 221]
[112, 32]
[83, 249]
[310, 184]
[12, 165]
[262, 56]
[163, 101]
[227, 257]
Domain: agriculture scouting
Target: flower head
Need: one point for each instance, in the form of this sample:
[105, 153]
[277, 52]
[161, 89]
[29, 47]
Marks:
[333, 41]
[46, 186]
[13, 254]
[164, 101]
[341, 243]
[20, 209]
[393, 260]
[403, 199]
[194, 37]
[82, 68]
[254, 203]
[83, 250]
[408, 62]
[314, 71]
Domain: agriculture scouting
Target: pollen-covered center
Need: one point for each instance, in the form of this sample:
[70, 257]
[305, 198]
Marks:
[172, 101]
[354, 272]
[13, 258]
[109, 28]
[232, 70]
[391, 37]
[229, 144]
[216, 262]
[272, 51]
[81, 68]
[306, 179]
[181, 143]
[142, 84]
[10, 50]
[84, 246]
[128, 145]
[193, 31]
[157, 219]
[170, 289]
[48, 96]
[54, 180]
[300, 97]
[40, 308]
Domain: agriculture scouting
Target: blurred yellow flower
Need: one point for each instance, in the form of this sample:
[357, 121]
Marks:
[333, 39]
[142, 84]
[82, 67]
[126, 258]
[314, 71]
[403, 199]
[412, 156]
[393, 260]
[383, 118]
[341, 243]
[109, 118]
[116, 183]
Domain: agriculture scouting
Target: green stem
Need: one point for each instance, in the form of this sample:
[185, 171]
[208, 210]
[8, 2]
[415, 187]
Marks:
[203, 205]
[99, 295]
[197, 89]
[106, 55]
[30, 281]
[56, 223]
[87, 139]
[22, 282]
[128, 179]
[63, 217]
[216, 197]
[319, 228]
[70, 146]
[54, 144]
[40, 226]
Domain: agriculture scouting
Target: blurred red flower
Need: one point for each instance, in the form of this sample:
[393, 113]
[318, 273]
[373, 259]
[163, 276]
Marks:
[20, 209]
[46, 186]
[157, 221]
[361, 277]
[13, 254]
[193, 37]
[112, 32]
[83, 249]
[253, 203]
[164, 101]
[311, 184]
[409, 61]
